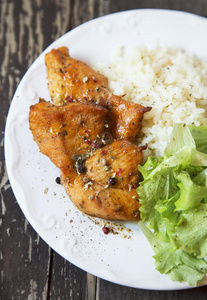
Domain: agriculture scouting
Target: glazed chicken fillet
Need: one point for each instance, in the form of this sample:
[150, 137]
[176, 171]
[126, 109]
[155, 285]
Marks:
[72, 80]
[89, 133]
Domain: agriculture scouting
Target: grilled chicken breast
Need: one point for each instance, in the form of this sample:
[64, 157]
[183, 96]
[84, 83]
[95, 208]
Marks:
[72, 80]
[99, 174]
[89, 134]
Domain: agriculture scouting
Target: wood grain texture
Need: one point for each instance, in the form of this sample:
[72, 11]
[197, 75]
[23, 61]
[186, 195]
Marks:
[193, 6]
[29, 268]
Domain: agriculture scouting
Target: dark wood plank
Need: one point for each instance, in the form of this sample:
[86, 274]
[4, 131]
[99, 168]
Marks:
[24, 256]
[66, 281]
[193, 6]
[108, 290]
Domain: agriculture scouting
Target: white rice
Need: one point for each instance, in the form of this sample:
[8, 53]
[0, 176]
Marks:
[171, 81]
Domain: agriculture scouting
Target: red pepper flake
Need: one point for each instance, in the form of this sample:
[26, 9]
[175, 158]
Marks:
[103, 152]
[68, 99]
[96, 144]
[94, 79]
[106, 230]
[119, 172]
[87, 131]
[75, 75]
[144, 147]
[87, 141]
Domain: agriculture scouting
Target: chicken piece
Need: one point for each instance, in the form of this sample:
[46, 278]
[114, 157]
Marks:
[107, 189]
[64, 132]
[73, 80]
[76, 139]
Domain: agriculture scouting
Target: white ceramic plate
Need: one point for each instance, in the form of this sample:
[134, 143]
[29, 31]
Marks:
[126, 257]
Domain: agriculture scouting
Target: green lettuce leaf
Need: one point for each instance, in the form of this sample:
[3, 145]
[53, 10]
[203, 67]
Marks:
[198, 158]
[181, 159]
[151, 163]
[173, 197]
[191, 234]
[191, 194]
[201, 179]
[179, 265]
[169, 215]
[158, 189]
[179, 138]
[199, 134]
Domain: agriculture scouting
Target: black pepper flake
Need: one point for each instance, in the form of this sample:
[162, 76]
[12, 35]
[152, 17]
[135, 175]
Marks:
[80, 163]
[112, 181]
[63, 133]
[80, 166]
[58, 180]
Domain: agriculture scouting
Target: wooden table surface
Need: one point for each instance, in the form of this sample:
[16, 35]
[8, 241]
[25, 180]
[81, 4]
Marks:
[30, 269]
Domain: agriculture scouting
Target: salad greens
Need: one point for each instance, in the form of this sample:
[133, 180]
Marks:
[173, 197]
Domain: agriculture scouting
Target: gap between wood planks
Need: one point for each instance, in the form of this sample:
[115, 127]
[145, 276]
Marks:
[92, 285]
